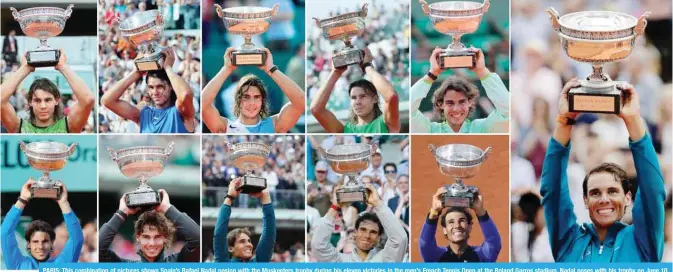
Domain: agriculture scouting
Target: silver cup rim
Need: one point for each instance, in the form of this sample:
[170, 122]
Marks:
[362, 13]
[364, 153]
[234, 13]
[120, 152]
[62, 12]
[435, 5]
[631, 25]
[482, 153]
[250, 145]
[143, 26]
[63, 148]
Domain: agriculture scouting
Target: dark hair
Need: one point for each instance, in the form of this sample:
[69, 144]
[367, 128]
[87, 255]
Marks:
[39, 226]
[617, 172]
[233, 235]
[369, 217]
[370, 89]
[453, 83]
[467, 214]
[390, 164]
[529, 203]
[46, 85]
[158, 221]
[242, 86]
[161, 74]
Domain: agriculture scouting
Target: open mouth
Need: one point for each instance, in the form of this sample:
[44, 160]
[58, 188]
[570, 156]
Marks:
[605, 211]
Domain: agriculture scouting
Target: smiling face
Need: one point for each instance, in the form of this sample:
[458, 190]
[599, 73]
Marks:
[151, 241]
[242, 247]
[40, 246]
[605, 199]
[251, 102]
[43, 104]
[159, 91]
[457, 228]
[366, 235]
[362, 102]
[456, 107]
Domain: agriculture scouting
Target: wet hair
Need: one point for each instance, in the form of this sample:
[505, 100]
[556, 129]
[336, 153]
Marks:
[232, 236]
[39, 226]
[467, 214]
[370, 89]
[161, 74]
[369, 217]
[47, 86]
[453, 83]
[617, 172]
[242, 86]
[156, 220]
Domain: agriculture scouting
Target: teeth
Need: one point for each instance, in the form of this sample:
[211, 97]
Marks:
[605, 211]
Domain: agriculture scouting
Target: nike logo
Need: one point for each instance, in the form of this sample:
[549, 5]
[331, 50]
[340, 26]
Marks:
[230, 126]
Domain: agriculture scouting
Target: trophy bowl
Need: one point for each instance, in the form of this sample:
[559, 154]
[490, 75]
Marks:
[349, 160]
[249, 156]
[42, 23]
[47, 157]
[144, 30]
[456, 18]
[597, 37]
[247, 21]
[459, 161]
[345, 27]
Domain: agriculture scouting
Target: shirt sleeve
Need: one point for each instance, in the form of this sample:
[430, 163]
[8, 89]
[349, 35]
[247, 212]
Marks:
[189, 230]
[499, 95]
[10, 248]
[220, 246]
[492, 244]
[73, 247]
[105, 237]
[419, 122]
[267, 241]
[323, 250]
[430, 251]
[397, 242]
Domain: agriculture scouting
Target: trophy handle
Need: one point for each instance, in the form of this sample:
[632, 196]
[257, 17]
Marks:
[426, 8]
[374, 145]
[363, 12]
[22, 145]
[317, 21]
[642, 23]
[71, 149]
[486, 5]
[218, 9]
[116, 19]
[68, 11]
[113, 154]
[322, 151]
[15, 13]
[554, 16]
[227, 146]
[433, 149]
[275, 9]
[169, 149]
[484, 156]
[160, 19]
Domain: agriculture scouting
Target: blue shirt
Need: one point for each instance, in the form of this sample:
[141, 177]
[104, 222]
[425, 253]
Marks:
[168, 120]
[14, 260]
[264, 249]
[263, 126]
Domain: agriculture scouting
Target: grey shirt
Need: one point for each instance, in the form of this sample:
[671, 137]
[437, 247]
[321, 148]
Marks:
[393, 251]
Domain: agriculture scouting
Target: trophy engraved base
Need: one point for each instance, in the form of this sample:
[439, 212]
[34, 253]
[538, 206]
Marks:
[454, 201]
[45, 192]
[352, 193]
[457, 59]
[43, 58]
[347, 57]
[597, 98]
[142, 199]
[252, 184]
[254, 57]
[150, 63]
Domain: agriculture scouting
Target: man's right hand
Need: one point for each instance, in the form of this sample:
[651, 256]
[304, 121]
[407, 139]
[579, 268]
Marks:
[24, 63]
[563, 105]
[434, 64]
[124, 208]
[334, 199]
[437, 205]
[228, 60]
[25, 189]
[233, 187]
[339, 71]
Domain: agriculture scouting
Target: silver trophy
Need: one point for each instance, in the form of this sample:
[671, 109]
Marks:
[42, 23]
[345, 27]
[456, 18]
[249, 156]
[459, 161]
[144, 30]
[597, 37]
[142, 163]
[350, 160]
[47, 157]
[247, 22]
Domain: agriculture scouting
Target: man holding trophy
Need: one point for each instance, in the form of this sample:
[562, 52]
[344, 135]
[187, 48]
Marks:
[235, 245]
[369, 228]
[40, 236]
[154, 231]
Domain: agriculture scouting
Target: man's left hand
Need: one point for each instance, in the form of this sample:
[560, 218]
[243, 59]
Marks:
[165, 202]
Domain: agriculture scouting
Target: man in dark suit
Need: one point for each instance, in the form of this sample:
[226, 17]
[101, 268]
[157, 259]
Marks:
[400, 203]
[10, 48]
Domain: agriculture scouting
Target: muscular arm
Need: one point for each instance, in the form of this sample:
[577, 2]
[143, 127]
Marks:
[10, 120]
[105, 237]
[185, 98]
[191, 232]
[79, 113]
[391, 109]
[211, 116]
[10, 248]
[120, 107]
[290, 113]
[318, 106]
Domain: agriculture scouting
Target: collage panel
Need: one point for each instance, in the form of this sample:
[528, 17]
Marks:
[254, 66]
[253, 198]
[48, 67]
[460, 66]
[344, 39]
[48, 185]
[149, 66]
[358, 198]
[149, 208]
[463, 193]
[601, 110]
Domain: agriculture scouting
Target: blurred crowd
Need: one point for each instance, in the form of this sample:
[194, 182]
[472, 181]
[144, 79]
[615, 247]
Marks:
[283, 171]
[540, 69]
[388, 172]
[386, 34]
[116, 54]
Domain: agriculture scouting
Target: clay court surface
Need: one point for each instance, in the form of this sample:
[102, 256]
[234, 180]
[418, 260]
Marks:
[492, 181]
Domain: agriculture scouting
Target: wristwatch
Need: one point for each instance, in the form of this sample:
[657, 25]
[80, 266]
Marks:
[565, 120]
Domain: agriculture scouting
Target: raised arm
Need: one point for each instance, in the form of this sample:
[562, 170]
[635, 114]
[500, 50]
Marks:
[220, 246]
[430, 251]
[211, 116]
[184, 93]
[323, 250]
[496, 91]
[319, 105]
[10, 248]
[397, 242]
[648, 208]
[79, 113]
[391, 108]
[490, 248]
[267, 240]
[73, 247]
[110, 229]
[184, 226]
[419, 122]
[290, 113]
[111, 98]
[10, 120]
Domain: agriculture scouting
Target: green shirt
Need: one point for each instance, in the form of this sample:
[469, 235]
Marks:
[376, 126]
[61, 126]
